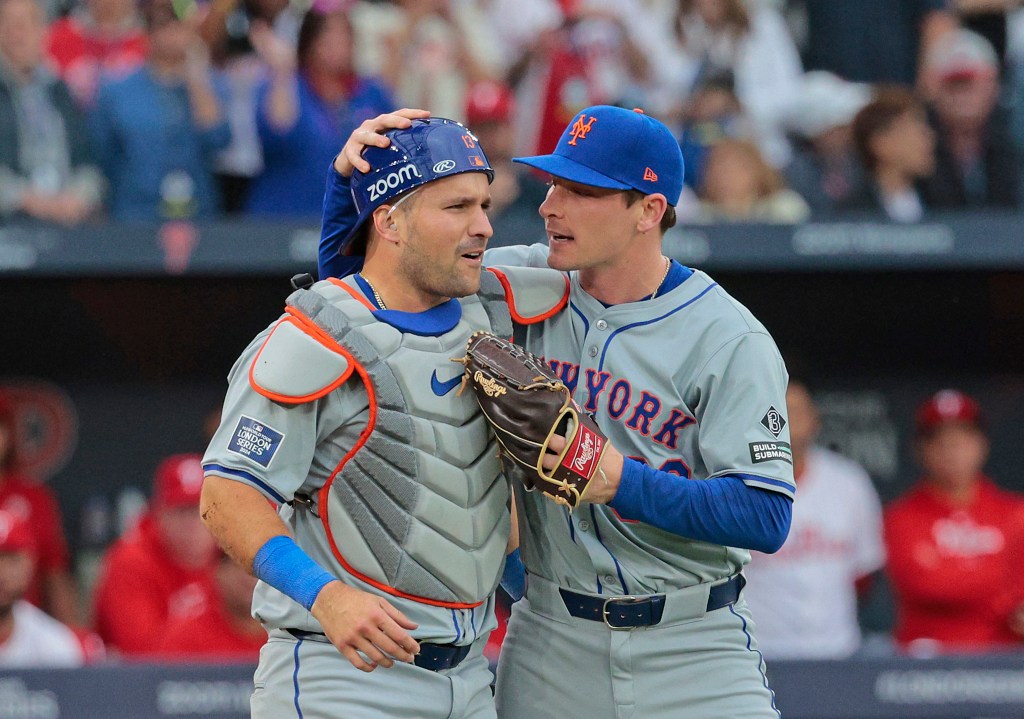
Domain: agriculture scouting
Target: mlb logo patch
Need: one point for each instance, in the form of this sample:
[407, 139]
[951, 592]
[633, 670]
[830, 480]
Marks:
[255, 441]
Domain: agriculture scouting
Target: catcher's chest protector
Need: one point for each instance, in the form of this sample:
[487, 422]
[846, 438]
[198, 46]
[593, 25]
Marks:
[419, 507]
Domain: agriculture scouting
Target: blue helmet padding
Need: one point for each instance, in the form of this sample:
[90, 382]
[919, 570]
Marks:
[428, 150]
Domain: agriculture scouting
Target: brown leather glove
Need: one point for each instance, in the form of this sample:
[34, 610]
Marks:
[527, 404]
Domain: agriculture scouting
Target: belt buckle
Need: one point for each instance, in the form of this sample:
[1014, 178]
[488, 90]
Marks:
[624, 599]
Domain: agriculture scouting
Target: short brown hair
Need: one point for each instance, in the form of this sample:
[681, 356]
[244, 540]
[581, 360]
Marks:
[877, 116]
[668, 220]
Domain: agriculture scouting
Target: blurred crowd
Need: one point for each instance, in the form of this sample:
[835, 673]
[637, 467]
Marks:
[155, 110]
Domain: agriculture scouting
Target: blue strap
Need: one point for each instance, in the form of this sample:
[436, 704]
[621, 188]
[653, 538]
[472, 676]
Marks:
[513, 579]
[722, 510]
[282, 564]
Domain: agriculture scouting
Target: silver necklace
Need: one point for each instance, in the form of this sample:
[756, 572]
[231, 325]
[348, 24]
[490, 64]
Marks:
[668, 266]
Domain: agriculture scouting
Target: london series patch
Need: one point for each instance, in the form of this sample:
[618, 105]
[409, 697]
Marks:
[768, 451]
[255, 441]
[773, 421]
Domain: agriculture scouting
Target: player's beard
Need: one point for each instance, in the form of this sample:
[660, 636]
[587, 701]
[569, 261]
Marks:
[434, 277]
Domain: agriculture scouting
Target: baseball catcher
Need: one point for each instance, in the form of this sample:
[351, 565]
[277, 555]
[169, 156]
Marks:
[527, 405]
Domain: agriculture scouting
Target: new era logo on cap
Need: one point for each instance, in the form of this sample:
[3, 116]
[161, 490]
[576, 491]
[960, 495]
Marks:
[650, 175]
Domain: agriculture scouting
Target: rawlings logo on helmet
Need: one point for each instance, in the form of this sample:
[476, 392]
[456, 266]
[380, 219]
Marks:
[444, 166]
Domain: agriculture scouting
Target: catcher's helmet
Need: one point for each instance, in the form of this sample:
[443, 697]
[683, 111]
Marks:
[427, 151]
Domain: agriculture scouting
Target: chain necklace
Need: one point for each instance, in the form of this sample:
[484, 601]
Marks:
[376, 294]
[668, 266]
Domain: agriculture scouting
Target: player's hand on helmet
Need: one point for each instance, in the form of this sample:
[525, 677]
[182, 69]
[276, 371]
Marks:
[365, 628]
[605, 484]
[371, 132]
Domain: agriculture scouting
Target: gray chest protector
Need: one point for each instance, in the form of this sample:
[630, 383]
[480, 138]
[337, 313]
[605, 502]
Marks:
[417, 507]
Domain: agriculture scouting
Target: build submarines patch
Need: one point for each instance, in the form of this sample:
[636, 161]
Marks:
[769, 451]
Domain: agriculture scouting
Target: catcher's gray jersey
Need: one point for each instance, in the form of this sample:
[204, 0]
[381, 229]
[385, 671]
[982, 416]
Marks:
[414, 507]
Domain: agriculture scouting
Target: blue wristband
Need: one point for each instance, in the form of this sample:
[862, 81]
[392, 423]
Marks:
[282, 564]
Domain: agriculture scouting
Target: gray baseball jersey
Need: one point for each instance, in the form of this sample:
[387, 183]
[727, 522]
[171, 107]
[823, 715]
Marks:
[692, 384]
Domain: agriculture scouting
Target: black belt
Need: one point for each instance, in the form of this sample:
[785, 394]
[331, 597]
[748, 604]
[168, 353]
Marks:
[435, 657]
[629, 612]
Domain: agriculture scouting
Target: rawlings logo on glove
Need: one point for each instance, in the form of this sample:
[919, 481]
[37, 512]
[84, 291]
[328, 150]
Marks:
[526, 405]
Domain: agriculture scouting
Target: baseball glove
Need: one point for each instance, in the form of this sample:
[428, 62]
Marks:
[527, 404]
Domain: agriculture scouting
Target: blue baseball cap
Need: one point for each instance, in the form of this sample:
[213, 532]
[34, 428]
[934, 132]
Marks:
[619, 149]
[428, 150]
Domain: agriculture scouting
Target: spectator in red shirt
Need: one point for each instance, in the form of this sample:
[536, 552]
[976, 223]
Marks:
[226, 631]
[28, 636]
[955, 541]
[162, 570]
[98, 38]
[52, 587]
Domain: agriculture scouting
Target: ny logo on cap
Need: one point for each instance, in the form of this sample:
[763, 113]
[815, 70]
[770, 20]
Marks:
[580, 129]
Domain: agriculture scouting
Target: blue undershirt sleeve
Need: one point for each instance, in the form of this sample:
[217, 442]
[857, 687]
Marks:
[722, 510]
[338, 220]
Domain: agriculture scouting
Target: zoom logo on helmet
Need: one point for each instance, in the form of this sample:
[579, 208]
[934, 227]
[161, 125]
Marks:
[394, 180]
[429, 150]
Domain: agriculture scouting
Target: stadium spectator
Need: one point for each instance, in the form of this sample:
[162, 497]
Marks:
[226, 24]
[162, 570]
[977, 159]
[225, 29]
[46, 167]
[29, 638]
[306, 109]
[51, 586]
[226, 631]
[825, 170]
[435, 49]
[98, 38]
[712, 113]
[873, 41]
[740, 186]
[955, 541]
[158, 129]
[516, 193]
[896, 146]
[988, 18]
[804, 597]
[746, 41]
[564, 55]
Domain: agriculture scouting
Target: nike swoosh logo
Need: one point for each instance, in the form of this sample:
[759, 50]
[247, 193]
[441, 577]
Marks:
[442, 388]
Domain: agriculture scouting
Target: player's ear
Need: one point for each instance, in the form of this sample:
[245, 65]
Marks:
[384, 225]
[652, 209]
